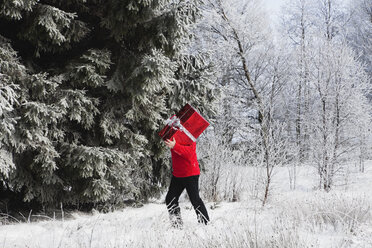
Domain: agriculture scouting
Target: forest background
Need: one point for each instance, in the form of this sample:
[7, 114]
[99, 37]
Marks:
[86, 85]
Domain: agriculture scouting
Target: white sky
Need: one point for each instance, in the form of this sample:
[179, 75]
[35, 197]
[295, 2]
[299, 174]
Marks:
[273, 7]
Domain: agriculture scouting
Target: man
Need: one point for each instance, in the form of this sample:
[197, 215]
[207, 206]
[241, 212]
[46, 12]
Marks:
[186, 173]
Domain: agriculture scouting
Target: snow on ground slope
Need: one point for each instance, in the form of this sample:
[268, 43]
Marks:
[303, 217]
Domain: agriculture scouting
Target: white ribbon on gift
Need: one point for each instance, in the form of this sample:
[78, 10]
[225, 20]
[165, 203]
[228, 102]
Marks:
[175, 123]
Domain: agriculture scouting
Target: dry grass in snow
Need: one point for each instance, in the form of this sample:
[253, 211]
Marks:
[303, 217]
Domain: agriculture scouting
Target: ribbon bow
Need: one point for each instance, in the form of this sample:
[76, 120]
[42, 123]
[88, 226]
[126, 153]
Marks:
[175, 123]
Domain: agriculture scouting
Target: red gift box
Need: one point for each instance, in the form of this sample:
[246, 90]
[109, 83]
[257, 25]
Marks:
[186, 126]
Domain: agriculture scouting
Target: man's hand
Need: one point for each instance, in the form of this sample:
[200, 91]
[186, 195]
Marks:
[170, 143]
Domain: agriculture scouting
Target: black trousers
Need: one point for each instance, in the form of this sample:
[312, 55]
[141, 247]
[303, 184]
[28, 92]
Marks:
[177, 185]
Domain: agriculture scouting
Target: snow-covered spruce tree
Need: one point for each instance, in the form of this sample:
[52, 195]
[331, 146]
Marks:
[101, 77]
[10, 71]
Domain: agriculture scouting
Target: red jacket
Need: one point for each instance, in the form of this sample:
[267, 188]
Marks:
[184, 160]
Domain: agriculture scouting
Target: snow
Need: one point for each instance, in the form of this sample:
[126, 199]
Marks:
[304, 217]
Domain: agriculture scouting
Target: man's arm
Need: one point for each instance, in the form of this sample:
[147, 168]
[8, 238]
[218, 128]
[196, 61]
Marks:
[186, 151]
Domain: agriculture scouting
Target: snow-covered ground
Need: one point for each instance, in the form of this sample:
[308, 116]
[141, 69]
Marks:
[303, 217]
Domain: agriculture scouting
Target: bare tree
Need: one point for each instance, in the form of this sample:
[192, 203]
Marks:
[340, 107]
[297, 24]
[359, 30]
[240, 32]
[327, 76]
